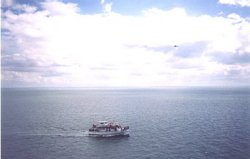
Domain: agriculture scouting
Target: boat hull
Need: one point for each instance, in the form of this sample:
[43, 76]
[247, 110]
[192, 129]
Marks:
[108, 134]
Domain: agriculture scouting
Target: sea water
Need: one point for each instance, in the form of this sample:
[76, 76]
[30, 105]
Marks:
[168, 123]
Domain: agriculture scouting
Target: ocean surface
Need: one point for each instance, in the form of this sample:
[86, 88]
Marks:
[170, 123]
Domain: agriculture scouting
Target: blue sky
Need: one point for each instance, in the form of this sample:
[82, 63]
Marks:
[211, 7]
[115, 43]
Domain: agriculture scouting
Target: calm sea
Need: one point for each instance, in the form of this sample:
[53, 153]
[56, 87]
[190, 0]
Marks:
[171, 123]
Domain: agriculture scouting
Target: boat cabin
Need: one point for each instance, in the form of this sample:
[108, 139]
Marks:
[104, 123]
[106, 126]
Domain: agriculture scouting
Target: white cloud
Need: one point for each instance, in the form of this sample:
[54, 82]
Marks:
[7, 3]
[102, 1]
[55, 7]
[25, 8]
[107, 7]
[58, 46]
[242, 3]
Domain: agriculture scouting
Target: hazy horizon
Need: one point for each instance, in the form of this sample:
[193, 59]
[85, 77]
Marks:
[131, 88]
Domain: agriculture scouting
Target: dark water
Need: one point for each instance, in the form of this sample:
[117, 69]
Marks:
[172, 123]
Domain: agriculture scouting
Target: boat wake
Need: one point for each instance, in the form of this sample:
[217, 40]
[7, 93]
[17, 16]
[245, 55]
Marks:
[52, 134]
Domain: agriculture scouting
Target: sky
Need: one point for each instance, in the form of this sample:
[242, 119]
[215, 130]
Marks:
[118, 43]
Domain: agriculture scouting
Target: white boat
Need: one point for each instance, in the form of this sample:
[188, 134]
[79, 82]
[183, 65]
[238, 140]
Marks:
[107, 129]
